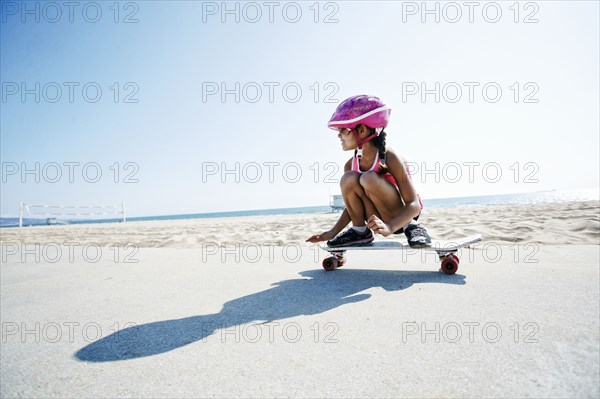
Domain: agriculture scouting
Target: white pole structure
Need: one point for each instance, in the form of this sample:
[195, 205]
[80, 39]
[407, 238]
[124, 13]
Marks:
[57, 210]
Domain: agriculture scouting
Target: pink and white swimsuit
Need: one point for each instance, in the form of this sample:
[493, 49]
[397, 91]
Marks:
[388, 175]
[374, 168]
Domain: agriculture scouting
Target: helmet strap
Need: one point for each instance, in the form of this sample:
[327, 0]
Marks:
[358, 152]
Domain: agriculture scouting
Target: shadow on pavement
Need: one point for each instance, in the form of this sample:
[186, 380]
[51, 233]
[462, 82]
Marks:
[317, 292]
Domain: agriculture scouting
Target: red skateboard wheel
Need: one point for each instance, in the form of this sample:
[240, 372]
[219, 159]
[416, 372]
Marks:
[450, 264]
[330, 263]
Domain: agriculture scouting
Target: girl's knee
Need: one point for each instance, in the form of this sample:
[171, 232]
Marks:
[369, 180]
[349, 180]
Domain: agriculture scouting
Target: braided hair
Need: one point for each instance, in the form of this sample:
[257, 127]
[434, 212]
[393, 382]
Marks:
[379, 142]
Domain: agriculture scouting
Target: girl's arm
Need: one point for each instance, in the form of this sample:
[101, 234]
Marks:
[330, 234]
[340, 224]
[412, 207]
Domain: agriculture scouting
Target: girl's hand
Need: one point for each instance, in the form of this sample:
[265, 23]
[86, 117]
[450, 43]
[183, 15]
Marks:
[325, 236]
[378, 226]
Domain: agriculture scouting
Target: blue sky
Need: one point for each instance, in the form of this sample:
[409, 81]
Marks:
[172, 139]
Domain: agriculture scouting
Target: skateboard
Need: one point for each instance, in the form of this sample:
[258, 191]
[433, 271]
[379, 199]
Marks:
[446, 250]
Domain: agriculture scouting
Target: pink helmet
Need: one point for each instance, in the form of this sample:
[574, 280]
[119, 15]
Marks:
[360, 110]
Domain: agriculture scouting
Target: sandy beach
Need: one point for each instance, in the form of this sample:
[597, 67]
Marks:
[241, 307]
[559, 223]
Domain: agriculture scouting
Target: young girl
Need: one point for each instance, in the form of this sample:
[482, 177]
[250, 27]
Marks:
[376, 187]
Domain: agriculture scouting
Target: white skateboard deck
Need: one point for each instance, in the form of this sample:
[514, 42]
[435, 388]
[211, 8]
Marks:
[436, 245]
